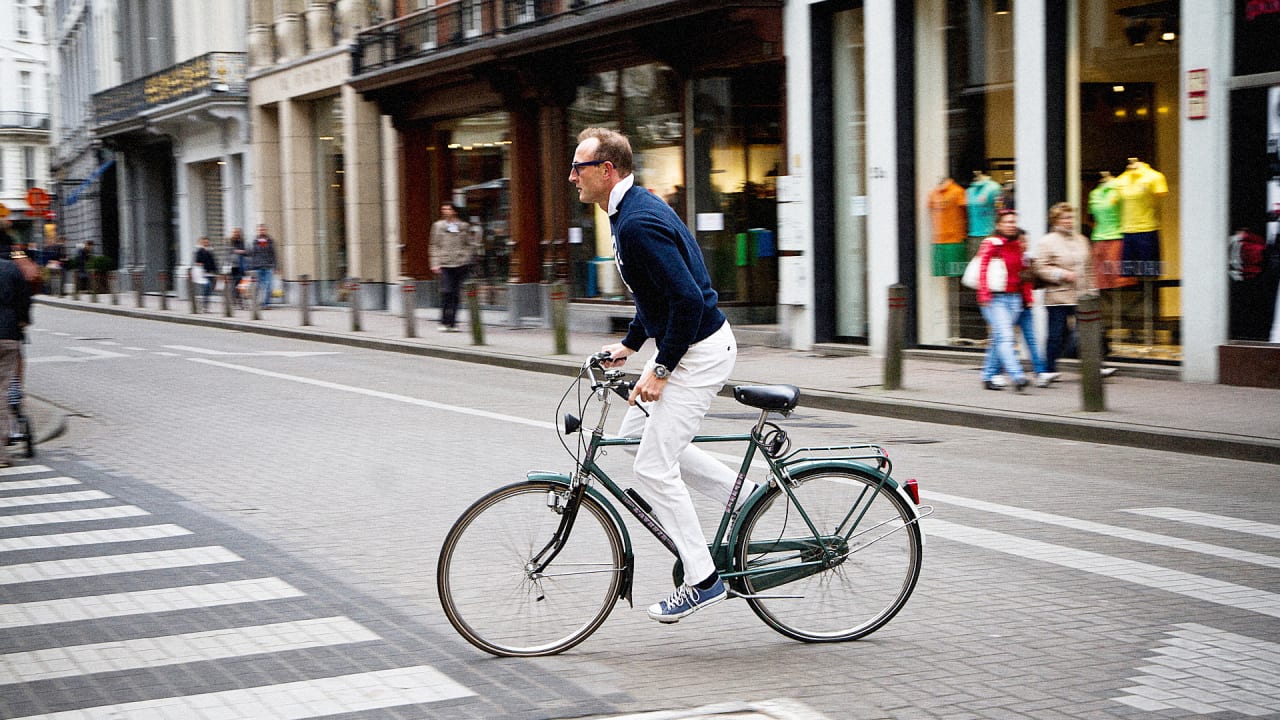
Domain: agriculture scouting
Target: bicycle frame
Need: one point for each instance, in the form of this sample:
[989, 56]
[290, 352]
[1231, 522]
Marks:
[868, 460]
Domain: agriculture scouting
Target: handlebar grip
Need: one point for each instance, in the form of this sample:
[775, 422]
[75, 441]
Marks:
[623, 389]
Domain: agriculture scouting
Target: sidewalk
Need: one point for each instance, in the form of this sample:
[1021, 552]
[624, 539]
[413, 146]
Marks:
[1142, 410]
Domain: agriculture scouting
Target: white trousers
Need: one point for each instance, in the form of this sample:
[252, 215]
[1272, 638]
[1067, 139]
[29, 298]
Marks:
[667, 464]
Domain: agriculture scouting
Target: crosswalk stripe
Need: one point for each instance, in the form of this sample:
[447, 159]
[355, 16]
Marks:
[1153, 576]
[70, 516]
[291, 701]
[52, 498]
[115, 564]
[38, 483]
[1203, 548]
[142, 602]
[92, 537]
[150, 652]
[1221, 522]
[23, 470]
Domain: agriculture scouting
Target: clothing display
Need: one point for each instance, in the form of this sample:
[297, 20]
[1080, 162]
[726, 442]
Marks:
[981, 200]
[947, 209]
[1108, 245]
[1140, 188]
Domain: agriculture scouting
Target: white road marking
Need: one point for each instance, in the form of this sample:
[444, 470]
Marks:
[269, 353]
[38, 483]
[23, 470]
[51, 498]
[1205, 670]
[379, 394]
[69, 516]
[291, 701]
[1221, 522]
[151, 652]
[98, 352]
[1110, 530]
[115, 564]
[92, 537]
[143, 602]
[1139, 573]
[92, 353]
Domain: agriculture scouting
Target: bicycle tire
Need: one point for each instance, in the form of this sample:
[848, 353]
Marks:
[487, 592]
[849, 598]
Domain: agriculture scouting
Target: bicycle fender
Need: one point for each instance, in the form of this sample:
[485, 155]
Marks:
[555, 478]
[804, 466]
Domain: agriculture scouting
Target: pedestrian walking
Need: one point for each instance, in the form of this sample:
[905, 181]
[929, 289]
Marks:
[454, 247]
[204, 267]
[262, 260]
[239, 264]
[1003, 294]
[15, 315]
[676, 307]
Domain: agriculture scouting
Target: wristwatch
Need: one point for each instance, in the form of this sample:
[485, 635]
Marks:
[661, 372]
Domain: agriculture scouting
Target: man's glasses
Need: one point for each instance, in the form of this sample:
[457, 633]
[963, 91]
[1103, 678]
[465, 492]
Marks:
[577, 167]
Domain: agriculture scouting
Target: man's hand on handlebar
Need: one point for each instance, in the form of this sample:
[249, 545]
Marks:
[617, 355]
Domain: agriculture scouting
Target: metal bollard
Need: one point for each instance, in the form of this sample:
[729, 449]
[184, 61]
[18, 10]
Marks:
[1089, 338]
[59, 276]
[472, 288]
[304, 299]
[191, 284]
[164, 288]
[75, 286]
[253, 298]
[227, 296]
[113, 286]
[894, 337]
[560, 317]
[136, 276]
[93, 286]
[355, 304]
[410, 306]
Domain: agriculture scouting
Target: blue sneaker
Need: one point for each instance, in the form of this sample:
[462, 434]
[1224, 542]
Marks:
[686, 600]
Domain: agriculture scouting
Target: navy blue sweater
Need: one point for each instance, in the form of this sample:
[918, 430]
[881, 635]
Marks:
[15, 300]
[662, 265]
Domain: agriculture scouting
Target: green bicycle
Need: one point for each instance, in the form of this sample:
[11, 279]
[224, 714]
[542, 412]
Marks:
[826, 549]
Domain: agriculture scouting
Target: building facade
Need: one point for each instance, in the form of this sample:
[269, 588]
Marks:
[901, 109]
[24, 119]
[178, 129]
[321, 152]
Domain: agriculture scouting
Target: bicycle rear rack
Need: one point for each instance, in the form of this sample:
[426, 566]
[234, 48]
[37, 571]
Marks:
[859, 453]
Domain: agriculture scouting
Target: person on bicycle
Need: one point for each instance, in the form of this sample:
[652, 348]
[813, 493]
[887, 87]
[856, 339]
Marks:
[661, 263]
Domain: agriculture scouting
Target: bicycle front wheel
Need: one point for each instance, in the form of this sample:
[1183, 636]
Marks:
[844, 583]
[489, 590]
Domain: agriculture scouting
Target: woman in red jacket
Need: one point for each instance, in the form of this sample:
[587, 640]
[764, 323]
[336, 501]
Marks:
[1002, 302]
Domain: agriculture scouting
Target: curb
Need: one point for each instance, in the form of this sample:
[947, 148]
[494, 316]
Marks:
[1098, 431]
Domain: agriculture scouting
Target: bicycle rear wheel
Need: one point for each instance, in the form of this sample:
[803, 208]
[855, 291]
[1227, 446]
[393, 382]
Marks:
[859, 586]
[490, 594]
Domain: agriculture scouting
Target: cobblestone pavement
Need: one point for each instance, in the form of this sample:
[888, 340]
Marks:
[1062, 579]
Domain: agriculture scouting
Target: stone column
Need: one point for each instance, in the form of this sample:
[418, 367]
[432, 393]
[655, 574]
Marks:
[319, 26]
[290, 35]
[262, 48]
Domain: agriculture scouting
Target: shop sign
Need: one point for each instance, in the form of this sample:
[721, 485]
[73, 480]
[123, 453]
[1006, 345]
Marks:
[1198, 94]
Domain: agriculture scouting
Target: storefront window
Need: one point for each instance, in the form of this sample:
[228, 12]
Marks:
[331, 216]
[1128, 169]
[480, 160]
[849, 157]
[965, 117]
[737, 156]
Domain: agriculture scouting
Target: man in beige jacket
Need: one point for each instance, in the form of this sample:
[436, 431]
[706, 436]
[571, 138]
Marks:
[454, 247]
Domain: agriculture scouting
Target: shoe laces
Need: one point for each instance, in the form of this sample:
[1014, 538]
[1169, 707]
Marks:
[682, 593]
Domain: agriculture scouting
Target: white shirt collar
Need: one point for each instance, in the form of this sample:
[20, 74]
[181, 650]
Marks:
[615, 195]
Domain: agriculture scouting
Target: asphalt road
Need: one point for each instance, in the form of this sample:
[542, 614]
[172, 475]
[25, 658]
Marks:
[1061, 579]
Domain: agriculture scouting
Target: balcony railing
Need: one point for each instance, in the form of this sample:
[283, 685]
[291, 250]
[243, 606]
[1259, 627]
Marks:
[217, 73]
[453, 24]
[11, 119]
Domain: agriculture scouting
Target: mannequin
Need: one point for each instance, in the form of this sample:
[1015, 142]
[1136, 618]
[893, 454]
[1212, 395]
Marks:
[982, 198]
[947, 208]
[1140, 188]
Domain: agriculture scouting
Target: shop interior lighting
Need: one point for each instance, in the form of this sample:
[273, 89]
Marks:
[1002, 7]
[1168, 30]
[1136, 31]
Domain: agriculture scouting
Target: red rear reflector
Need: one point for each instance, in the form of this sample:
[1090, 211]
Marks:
[913, 489]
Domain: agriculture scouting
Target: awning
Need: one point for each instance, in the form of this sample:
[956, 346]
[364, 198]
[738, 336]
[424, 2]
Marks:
[75, 194]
